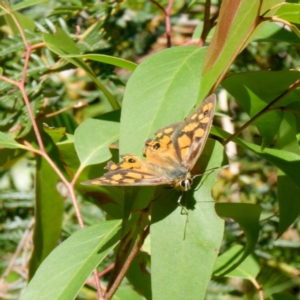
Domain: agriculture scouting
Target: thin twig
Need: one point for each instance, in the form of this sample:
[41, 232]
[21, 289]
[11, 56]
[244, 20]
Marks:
[8, 80]
[98, 287]
[55, 113]
[106, 270]
[258, 287]
[284, 109]
[31, 115]
[206, 23]
[18, 250]
[134, 251]
[167, 12]
[263, 111]
[168, 23]
[11, 13]
[102, 273]
[77, 174]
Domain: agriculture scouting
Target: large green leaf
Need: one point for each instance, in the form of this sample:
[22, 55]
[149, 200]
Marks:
[49, 208]
[184, 248]
[65, 270]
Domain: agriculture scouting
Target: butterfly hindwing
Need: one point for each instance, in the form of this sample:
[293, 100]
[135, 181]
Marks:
[130, 171]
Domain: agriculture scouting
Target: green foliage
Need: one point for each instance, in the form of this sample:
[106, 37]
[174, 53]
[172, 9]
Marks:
[66, 70]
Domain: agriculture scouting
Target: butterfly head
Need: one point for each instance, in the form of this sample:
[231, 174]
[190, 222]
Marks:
[184, 183]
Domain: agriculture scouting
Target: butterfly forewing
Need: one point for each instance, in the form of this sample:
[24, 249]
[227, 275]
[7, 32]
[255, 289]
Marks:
[194, 133]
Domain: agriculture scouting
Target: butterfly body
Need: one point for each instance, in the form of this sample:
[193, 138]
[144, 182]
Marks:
[170, 157]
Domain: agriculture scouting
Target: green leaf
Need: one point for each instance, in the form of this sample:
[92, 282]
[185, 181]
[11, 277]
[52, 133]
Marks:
[111, 60]
[139, 276]
[7, 142]
[289, 12]
[9, 156]
[181, 245]
[92, 140]
[56, 134]
[68, 155]
[162, 90]
[247, 216]
[288, 192]
[252, 91]
[274, 32]
[248, 269]
[65, 270]
[25, 22]
[283, 296]
[126, 293]
[49, 208]
[62, 44]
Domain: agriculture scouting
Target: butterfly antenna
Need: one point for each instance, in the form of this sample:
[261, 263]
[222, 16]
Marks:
[207, 172]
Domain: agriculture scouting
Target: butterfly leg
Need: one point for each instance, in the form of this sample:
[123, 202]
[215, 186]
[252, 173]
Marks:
[183, 209]
[183, 212]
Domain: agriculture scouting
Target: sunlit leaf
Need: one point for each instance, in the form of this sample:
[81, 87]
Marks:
[65, 270]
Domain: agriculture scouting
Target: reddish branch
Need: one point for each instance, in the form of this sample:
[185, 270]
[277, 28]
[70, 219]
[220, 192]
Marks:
[167, 12]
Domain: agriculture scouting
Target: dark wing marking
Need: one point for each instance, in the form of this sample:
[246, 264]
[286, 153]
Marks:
[127, 177]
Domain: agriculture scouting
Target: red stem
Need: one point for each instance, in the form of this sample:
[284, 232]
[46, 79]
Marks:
[167, 12]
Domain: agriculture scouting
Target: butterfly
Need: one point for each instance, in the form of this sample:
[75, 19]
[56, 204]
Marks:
[170, 157]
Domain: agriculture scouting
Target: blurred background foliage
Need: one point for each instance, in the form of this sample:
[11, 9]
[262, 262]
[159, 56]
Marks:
[130, 30]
